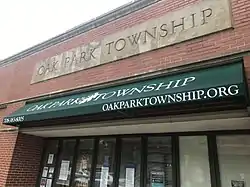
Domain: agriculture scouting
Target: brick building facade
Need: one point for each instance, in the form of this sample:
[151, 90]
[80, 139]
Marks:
[21, 153]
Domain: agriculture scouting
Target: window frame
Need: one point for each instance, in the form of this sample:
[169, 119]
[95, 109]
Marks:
[212, 155]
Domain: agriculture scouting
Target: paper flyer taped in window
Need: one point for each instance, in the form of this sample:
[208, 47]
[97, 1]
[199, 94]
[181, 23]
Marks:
[50, 176]
[51, 170]
[64, 170]
[130, 177]
[157, 179]
[104, 177]
[49, 183]
[45, 172]
[50, 158]
[43, 182]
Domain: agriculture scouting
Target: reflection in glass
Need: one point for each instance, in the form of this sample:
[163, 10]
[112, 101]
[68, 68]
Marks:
[83, 163]
[105, 163]
[234, 160]
[130, 162]
[159, 162]
[194, 161]
[65, 160]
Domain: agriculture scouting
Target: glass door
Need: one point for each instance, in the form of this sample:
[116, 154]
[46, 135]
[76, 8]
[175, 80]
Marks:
[234, 160]
[65, 161]
[130, 167]
[48, 164]
[104, 172]
[194, 161]
[84, 163]
[159, 162]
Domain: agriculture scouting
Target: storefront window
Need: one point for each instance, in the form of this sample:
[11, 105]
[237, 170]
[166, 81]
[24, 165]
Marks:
[130, 162]
[234, 160]
[159, 162]
[84, 163]
[65, 160]
[105, 163]
[194, 161]
[49, 161]
[57, 167]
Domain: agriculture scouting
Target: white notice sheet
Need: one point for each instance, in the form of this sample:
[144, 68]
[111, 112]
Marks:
[49, 183]
[51, 170]
[130, 177]
[45, 172]
[104, 177]
[64, 170]
[50, 158]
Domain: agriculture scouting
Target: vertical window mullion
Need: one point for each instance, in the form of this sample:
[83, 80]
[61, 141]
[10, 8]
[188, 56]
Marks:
[216, 164]
[144, 153]
[213, 161]
[72, 175]
[117, 162]
[39, 176]
[57, 165]
[176, 161]
[94, 162]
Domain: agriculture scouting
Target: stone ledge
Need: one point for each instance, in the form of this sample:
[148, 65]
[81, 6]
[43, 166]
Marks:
[92, 24]
[8, 129]
[3, 106]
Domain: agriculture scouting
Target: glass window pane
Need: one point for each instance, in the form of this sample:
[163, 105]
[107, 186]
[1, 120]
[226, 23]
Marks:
[65, 160]
[194, 161]
[84, 163]
[234, 160]
[130, 162]
[159, 161]
[105, 163]
[48, 164]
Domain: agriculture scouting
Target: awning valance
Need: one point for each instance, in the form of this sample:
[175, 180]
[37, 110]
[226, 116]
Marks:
[206, 84]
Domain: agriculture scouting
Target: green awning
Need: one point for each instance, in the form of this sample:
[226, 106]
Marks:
[205, 84]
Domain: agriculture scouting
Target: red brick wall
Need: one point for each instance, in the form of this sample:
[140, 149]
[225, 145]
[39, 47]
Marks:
[247, 68]
[19, 160]
[20, 155]
[7, 142]
[235, 40]
[25, 161]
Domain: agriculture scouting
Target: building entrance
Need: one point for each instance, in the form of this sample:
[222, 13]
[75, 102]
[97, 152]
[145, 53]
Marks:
[147, 160]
